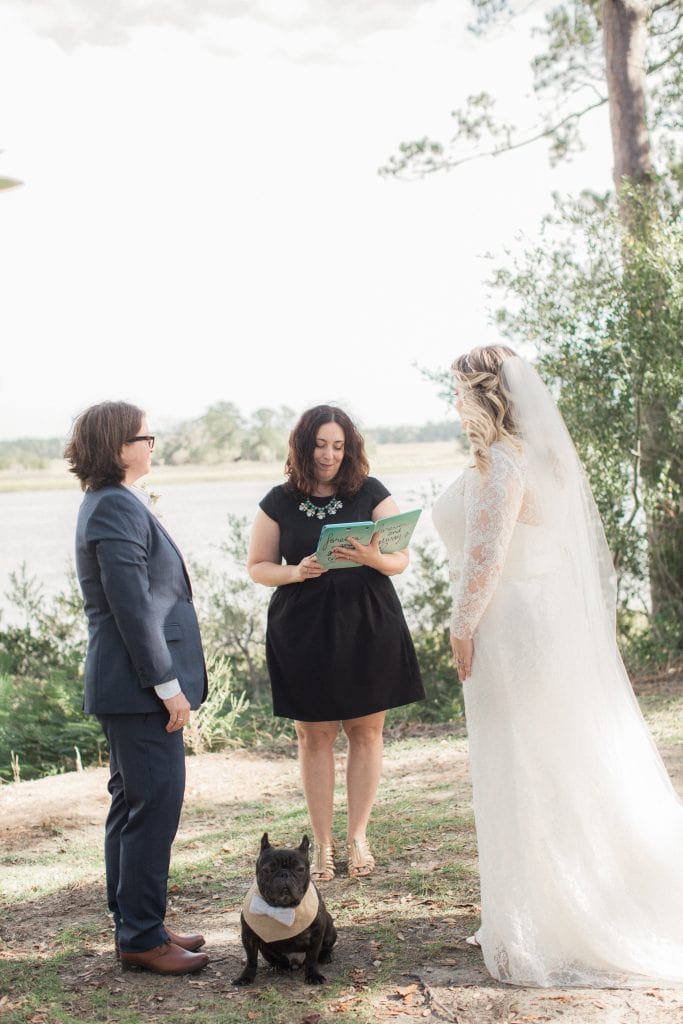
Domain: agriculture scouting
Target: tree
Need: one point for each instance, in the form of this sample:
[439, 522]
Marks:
[596, 327]
[597, 52]
[605, 52]
[217, 436]
[6, 183]
[267, 434]
[624, 38]
[223, 434]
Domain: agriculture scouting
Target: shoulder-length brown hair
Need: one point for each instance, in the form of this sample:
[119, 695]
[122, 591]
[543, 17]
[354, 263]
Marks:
[300, 467]
[93, 450]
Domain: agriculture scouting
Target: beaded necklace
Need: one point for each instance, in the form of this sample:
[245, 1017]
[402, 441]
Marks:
[330, 509]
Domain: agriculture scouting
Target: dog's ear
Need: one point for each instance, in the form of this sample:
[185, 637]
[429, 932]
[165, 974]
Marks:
[304, 845]
[265, 845]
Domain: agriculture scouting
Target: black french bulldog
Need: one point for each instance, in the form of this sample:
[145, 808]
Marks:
[284, 913]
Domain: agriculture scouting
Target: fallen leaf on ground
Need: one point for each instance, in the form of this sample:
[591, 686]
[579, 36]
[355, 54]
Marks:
[343, 1004]
[407, 991]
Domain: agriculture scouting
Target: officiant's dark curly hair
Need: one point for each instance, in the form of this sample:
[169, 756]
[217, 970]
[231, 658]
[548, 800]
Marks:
[93, 450]
[300, 467]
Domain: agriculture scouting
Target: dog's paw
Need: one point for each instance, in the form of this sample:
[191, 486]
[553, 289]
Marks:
[325, 956]
[245, 978]
[314, 978]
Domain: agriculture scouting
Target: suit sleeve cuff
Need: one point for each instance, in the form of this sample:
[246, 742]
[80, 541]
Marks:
[167, 690]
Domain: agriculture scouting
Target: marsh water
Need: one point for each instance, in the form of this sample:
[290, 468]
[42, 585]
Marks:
[37, 527]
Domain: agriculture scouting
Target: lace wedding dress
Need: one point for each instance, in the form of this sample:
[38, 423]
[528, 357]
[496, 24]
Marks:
[579, 829]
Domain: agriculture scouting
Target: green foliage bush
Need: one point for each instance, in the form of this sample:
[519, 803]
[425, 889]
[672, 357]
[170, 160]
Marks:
[41, 716]
[211, 726]
[232, 612]
[426, 601]
[41, 691]
[42, 724]
[605, 312]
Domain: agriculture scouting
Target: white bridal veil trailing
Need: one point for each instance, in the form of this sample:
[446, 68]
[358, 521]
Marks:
[579, 829]
[560, 490]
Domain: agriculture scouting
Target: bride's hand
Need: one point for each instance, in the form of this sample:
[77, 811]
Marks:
[463, 652]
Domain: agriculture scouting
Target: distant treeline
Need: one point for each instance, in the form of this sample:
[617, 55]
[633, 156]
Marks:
[30, 452]
[445, 430]
[223, 434]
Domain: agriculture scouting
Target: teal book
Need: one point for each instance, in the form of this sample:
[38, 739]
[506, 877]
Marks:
[394, 535]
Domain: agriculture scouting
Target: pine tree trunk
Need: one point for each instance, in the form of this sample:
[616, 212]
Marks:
[624, 24]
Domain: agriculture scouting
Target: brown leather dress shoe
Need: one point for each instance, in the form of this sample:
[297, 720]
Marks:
[165, 959]
[190, 942]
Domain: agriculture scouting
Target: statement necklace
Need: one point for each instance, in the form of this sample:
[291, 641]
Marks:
[330, 509]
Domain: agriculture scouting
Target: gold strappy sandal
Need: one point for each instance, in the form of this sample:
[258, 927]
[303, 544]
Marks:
[322, 862]
[361, 861]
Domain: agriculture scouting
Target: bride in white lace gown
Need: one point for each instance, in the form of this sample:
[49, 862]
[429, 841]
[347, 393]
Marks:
[579, 829]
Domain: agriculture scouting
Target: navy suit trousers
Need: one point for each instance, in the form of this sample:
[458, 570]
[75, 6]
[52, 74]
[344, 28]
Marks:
[147, 783]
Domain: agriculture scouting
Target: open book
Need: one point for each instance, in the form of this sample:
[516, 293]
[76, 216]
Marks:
[394, 535]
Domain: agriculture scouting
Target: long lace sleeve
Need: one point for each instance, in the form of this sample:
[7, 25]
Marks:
[492, 504]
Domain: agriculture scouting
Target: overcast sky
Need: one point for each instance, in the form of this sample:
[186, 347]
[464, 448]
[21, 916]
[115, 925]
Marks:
[202, 220]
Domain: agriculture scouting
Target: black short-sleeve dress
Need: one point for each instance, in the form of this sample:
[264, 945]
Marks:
[338, 647]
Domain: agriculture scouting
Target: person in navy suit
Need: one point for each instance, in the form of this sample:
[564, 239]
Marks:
[144, 674]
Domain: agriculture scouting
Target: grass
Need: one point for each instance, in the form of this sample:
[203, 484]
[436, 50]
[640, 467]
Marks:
[664, 714]
[74, 978]
[58, 967]
[35, 874]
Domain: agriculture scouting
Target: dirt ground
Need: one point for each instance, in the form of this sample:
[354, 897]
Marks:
[446, 982]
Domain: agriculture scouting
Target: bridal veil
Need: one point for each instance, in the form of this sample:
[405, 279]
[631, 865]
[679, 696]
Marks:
[579, 829]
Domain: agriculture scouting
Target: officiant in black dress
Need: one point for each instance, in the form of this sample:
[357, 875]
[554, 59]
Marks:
[338, 646]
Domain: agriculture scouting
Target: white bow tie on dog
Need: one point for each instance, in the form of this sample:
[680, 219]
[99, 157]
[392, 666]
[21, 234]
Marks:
[285, 915]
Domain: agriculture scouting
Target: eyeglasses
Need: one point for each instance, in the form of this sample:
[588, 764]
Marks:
[149, 438]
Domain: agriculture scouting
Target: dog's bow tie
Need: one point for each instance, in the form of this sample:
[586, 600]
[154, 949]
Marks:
[285, 915]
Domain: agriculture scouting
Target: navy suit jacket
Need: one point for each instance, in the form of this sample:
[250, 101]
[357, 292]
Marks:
[142, 625]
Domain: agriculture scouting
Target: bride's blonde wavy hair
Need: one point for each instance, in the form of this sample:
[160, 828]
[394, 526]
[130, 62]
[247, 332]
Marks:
[486, 409]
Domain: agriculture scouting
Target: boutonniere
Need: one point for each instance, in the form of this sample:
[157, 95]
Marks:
[151, 499]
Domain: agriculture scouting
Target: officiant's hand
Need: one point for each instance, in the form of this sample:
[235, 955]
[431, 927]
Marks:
[463, 652]
[371, 555]
[363, 554]
[309, 568]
